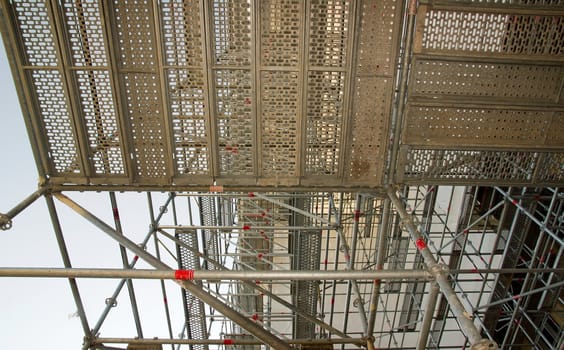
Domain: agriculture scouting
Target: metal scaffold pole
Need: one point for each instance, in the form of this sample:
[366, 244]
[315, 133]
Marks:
[238, 275]
[438, 271]
[6, 219]
[249, 325]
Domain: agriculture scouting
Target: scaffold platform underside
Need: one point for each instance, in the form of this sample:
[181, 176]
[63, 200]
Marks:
[319, 174]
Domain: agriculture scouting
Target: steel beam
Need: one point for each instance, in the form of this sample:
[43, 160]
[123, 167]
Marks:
[399, 106]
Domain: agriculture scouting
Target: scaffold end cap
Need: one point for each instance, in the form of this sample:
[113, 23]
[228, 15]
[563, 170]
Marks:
[5, 222]
[485, 344]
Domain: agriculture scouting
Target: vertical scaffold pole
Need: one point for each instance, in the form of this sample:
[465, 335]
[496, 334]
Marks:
[438, 271]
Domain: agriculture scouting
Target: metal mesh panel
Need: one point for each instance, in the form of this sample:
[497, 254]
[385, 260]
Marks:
[36, 32]
[85, 35]
[181, 28]
[56, 120]
[551, 168]
[182, 41]
[467, 165]
[209, 217]
[234, 122]
[469, 31]
[135, 33]
[487, 80]
[280, 32]
[555, 135]
[515, 2]
[459, 125]
[136, 37]
[324, 120]
[232, 32]
[193, 307]
[99, 114]
[372, 91]
[307, 255]
[328, 33]
[146, 122]
[376, 42]
[369, 128]
[279, 125]
[189, 129]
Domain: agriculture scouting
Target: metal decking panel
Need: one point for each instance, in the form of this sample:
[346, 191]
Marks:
[484, 100]
[239, 93]
[307, 256]
[282, 93]
[194, 308]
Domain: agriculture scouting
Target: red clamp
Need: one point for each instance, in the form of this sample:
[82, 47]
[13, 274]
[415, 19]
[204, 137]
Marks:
[228, 342]
[420, 243]
[184, 274]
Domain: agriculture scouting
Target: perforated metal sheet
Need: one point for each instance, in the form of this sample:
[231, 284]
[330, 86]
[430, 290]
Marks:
[493, 81]
[279, 105]
[193, 307]
[307, 256]
[485, 91]
[278, 93]
[421, 165]
[239, 93]
[280, 32]
[438, 125]
[324, 122]
[499, 32]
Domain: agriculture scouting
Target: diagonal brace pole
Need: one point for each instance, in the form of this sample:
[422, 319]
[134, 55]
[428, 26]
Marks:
[438, 271]
[196, 290]
[6, 219]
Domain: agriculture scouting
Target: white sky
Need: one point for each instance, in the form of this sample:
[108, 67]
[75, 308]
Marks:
[35, 312]
[32, 311]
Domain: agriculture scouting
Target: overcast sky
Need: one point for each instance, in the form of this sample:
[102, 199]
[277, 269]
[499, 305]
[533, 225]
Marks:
[39, 312]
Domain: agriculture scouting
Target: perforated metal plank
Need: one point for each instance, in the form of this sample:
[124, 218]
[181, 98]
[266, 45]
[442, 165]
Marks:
[494, 82]
[433, 125]
[475, 166]
[371, 95]
[48, 98]
[485, 91]
[193, 307]
[182, 34]
[502, 31]
[307, 256]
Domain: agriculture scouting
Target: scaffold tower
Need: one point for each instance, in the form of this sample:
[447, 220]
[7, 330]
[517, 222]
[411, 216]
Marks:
[298, 174]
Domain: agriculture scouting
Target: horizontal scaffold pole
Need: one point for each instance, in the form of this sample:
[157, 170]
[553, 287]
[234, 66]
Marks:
[225, 341]
[217, 275]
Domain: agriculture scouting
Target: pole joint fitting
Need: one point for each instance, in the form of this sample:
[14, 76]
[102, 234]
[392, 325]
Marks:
[438, 269]
[484, 344]
[5, 222]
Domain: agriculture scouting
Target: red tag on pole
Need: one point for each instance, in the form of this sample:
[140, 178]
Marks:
[184, 274]
[420, 243]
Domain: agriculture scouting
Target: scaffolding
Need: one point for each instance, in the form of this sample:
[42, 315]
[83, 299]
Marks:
[317, 174]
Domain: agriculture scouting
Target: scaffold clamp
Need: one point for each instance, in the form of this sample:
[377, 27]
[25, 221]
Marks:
[485, 344]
